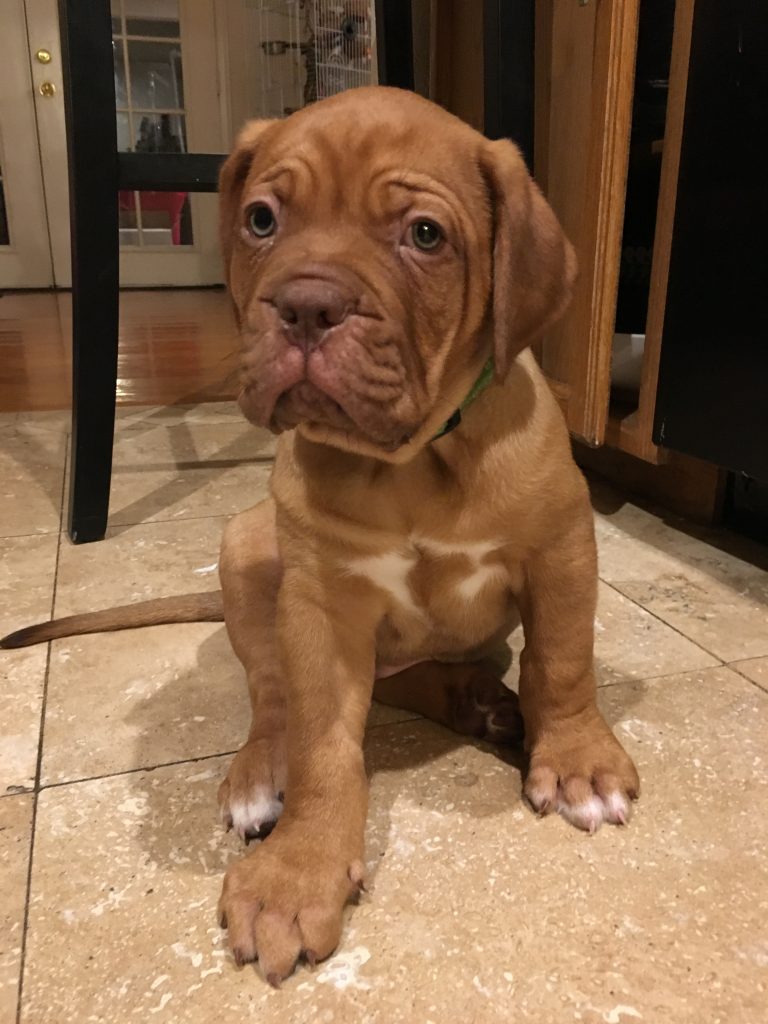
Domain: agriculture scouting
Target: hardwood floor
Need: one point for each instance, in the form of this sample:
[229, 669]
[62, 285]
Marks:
[175, 346]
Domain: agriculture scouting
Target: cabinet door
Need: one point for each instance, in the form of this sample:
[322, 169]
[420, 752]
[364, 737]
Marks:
[584, 82]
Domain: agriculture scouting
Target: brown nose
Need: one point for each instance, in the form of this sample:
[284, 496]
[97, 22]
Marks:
[309, 308]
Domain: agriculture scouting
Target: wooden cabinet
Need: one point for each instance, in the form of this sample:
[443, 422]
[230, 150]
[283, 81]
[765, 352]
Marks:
[585, 78]
[584, 89]
[585, 58]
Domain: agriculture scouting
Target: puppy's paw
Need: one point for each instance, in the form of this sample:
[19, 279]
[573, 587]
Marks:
[286, 900]
[251, 796]
[584, 774]
[483, 707]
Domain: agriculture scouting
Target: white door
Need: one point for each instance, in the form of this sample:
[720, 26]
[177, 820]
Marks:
[25, 252]
[167, 93]
[187, 74]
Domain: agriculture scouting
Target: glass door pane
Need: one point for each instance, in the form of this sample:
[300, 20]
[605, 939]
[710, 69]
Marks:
[151, 115]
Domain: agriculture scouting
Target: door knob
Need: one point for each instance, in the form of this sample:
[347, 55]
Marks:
[47, 89]
[44, 56]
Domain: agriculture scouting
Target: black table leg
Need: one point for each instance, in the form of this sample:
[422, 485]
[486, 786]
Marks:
[89, 97]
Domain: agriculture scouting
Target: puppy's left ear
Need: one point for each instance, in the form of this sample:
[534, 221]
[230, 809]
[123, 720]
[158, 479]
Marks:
[534, 265]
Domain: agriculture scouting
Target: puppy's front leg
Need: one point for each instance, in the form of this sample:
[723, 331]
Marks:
[287, 897]
[577, 766]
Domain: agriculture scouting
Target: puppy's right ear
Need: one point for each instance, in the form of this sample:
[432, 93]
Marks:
[232, 177]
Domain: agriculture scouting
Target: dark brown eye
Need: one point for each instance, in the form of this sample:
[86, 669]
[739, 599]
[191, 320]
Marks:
[261, 220]
[426, 235]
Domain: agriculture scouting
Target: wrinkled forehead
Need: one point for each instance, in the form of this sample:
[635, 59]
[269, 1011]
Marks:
[346, 157]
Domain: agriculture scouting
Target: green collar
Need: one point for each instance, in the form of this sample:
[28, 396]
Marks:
[482, 382]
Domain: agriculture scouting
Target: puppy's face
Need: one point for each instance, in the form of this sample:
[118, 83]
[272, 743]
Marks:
[362, 238]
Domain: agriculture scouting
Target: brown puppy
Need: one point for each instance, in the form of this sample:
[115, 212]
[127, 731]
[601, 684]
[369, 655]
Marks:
[378, 252]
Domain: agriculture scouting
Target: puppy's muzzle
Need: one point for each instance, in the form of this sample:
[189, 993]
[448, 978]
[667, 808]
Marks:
[309, 308]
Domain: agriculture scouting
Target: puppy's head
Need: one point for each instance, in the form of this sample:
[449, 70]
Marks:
[377, 250]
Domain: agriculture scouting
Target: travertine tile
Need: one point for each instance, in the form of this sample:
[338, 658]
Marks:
[27, 569]
[478, 911]
[164, 415]
[32, 457]
[15, 834]
[147, 697]
[755, 669]
[630, 643]
[22, 680]
[56, 420]
[141, 698]
[715, 598]
[173, 470]
[139, 562]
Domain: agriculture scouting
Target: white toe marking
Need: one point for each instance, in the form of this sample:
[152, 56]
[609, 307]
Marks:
[617, 808]
[538, 796]
[249, 815]
[588, 815]
[591, 814]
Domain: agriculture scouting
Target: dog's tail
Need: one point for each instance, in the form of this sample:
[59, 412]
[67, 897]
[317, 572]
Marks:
[204, 607]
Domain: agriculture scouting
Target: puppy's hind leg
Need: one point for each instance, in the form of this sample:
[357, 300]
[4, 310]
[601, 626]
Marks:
[250, 797]
[468, 697]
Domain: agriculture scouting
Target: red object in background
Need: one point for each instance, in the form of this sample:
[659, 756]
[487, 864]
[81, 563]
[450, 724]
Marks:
[171, 202]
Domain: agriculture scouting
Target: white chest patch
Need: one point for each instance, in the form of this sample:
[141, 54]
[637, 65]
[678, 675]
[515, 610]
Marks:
[390, 571]
[475, 550]
[471, 585]
[480, 574]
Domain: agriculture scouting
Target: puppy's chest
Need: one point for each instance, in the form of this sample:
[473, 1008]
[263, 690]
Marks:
[433, 584]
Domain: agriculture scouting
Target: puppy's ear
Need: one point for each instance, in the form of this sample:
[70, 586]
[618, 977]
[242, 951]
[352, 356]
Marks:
[534, 265]
[232, 177]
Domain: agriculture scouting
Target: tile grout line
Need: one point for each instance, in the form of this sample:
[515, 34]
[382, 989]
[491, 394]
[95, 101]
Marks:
[659, 677]
[135, 771]
[37, 533]
[39, 765]
[186, 760]
[664, 622]
[732, 665]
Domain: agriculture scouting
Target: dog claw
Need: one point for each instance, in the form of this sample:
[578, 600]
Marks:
[274, 980]
[311, 957]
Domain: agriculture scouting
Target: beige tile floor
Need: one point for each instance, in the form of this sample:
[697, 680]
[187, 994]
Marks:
[111, 750]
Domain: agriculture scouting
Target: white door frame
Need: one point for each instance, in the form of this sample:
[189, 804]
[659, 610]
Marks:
[26, 262]
[43, 33]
